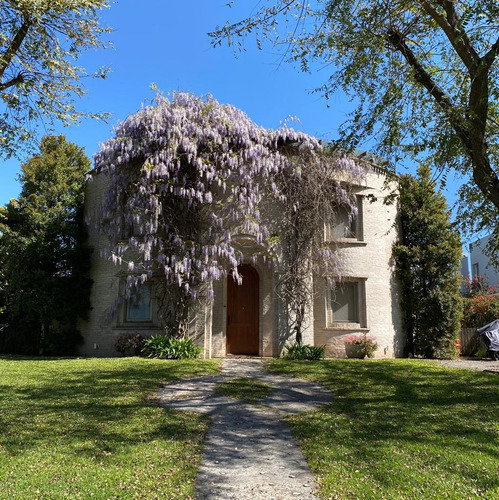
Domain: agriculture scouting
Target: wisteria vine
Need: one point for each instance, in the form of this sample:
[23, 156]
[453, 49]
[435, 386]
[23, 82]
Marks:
[187, 174]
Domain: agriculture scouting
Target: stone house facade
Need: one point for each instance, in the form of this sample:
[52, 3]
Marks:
[250, 319]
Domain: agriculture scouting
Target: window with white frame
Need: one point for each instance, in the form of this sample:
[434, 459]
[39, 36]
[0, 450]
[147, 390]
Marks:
[346, 226]
[139, 305]
[346, 303]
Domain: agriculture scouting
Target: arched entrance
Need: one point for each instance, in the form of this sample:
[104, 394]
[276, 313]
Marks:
[242, 312]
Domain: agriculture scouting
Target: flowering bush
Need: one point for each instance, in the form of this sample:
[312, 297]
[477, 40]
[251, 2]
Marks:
[478, 285]
[130, 344]
[480, 310]
[364, 343]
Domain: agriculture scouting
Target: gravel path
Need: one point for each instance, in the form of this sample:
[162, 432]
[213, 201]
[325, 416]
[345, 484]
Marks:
[484, 365]
[249, 451]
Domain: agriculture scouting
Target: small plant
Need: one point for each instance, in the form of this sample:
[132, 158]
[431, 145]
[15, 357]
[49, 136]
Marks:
[245, 389]
[360, 346]
[304, 351]
[130, 344]
[165, 347]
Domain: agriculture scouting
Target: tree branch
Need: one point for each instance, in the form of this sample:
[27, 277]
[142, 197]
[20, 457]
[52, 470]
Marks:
[489, 58]
[14, 46]
[456, 36]
[397, 41]
[14, 81]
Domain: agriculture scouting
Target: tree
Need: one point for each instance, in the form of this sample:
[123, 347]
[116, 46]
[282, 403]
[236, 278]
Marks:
[187, 176]
[428, 260]
[424, 75]
[40, 40]
[43, 262]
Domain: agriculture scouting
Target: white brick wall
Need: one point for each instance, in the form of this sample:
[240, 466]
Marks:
[370, 259]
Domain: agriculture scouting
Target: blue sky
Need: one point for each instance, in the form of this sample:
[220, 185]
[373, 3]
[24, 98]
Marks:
[166, 43]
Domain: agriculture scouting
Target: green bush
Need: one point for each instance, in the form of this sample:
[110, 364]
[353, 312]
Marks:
[428, 261]
[304, 351]
[480, 310]
[130, 344]
[165, 347]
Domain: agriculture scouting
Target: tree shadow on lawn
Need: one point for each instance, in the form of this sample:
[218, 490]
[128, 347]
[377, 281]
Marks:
[93, 411]
[396, 419]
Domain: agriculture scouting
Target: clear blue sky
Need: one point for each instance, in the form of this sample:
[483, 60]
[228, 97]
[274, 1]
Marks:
[166, 43]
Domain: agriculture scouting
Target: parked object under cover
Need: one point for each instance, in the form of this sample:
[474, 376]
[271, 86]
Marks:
[490, 336]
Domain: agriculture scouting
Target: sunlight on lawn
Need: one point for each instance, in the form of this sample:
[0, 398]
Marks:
[81, 428]
[400, 429]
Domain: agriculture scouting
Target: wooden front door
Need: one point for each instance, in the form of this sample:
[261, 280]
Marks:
[242, 312]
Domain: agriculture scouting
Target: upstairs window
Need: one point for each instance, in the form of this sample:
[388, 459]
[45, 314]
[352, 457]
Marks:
[345, 226]
[475, 270]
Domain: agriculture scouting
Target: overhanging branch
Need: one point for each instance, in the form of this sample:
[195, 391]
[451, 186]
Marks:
[456, 36]
[13, 48]
[396, 39]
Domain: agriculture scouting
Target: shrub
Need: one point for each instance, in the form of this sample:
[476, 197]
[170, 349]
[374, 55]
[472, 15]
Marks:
[165, 347]
[480, 310]
[477, 285]
[130, 344]
[304, 351]
[365, 343]
[428, 262]
[61, 340]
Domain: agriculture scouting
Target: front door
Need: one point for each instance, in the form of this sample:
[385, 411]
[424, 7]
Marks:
[242, 312]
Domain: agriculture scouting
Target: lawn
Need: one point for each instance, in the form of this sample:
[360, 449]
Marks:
[246, 389]
[400, 429]
[84, 428]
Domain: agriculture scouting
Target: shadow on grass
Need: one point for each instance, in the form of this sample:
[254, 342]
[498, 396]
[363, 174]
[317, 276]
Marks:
[91, 407]
[397, 420]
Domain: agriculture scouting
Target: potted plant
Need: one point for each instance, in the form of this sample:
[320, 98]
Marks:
[360, 346]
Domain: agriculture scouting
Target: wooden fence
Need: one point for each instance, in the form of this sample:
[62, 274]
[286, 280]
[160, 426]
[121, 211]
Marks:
[470, 342]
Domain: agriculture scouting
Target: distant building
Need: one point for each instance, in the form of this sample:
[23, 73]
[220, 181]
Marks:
[480, 264]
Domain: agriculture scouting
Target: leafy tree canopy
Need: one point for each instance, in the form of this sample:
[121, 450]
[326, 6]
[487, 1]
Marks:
[423, 74]
[43, 263]
[40, 40]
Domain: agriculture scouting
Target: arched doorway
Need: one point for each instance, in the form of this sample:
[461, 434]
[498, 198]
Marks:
[242, 312]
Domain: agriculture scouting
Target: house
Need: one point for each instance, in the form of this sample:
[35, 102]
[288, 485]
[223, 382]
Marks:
[248, 318]
[480, 263]
[251, 316]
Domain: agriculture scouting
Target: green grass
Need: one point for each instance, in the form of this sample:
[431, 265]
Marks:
[400, 429]
[84, 428]
[246, 389]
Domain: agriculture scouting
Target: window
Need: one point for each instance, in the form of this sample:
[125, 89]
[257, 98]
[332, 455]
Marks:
[344, 226]
[138, 307]
[475, 270]
[346, 303]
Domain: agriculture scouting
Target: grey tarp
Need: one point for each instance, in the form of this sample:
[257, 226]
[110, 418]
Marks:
[490, 335]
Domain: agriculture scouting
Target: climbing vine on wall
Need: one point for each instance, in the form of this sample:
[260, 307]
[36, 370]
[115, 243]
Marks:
[187, 174]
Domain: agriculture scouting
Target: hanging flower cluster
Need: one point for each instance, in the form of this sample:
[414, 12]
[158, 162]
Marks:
[186, 174]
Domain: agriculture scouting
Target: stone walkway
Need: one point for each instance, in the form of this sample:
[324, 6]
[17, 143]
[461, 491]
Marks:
[249, 451]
